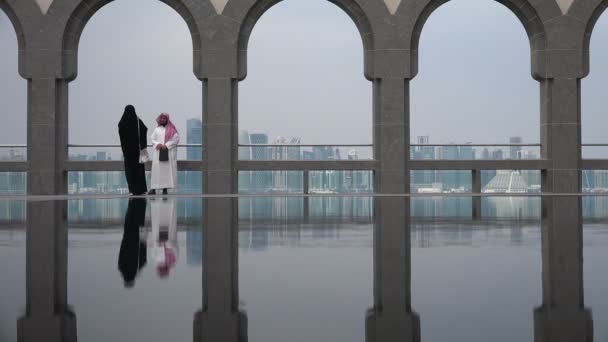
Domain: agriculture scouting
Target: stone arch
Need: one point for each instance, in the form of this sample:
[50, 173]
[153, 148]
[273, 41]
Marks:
[350, 7]
[85, 11]
[523, 10]
[12, 16]
[595, 16]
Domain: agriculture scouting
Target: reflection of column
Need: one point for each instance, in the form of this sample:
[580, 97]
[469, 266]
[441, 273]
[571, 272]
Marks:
[563, 316]
[47, 316]
[220, 318]
[391, 318]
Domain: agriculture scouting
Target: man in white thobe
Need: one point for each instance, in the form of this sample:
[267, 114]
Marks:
[165, 137]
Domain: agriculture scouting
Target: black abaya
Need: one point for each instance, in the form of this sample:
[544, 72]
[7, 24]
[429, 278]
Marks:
[131, 144]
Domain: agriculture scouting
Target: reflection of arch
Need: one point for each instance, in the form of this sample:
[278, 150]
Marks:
[595, 15]
[525, 12]
[83, 13]
[350, 7]
[12, 16]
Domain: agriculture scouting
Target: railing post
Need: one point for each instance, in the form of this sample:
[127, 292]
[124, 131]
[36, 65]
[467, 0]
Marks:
[306, 184]
[476, 189]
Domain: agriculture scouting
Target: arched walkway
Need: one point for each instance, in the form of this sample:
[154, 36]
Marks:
[313, 84]
[13, 93]
[471, 87]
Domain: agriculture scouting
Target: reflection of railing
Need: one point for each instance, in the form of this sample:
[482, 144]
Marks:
[477, 145]
[305, 145]
[117, 146]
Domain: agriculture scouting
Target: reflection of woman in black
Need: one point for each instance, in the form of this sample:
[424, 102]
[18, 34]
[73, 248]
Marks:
[133, 138]
[132, 256]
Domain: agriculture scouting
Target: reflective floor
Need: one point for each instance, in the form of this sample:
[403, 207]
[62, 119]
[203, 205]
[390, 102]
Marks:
[212, 270]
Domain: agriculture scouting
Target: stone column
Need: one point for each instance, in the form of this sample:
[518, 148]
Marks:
[391, 318]
[47, 316]
[220, 319]
[220, 135]
[563, 316]
[47, 135]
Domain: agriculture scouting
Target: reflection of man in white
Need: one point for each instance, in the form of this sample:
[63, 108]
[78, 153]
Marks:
[164, 170]
[164, 235]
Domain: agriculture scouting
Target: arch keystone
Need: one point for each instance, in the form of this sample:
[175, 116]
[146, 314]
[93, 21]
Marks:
[44, 5]
[219, 5]
[565, 5]
[392, 5]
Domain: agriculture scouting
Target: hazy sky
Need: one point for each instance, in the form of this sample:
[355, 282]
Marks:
[305, 76]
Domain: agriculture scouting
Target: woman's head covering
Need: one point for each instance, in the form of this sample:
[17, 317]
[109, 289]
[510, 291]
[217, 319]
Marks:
[129, 117]
[170, 129]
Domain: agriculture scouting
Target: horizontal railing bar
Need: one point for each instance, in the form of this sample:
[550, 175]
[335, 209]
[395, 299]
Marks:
[118, 165]
[13, 146]
[594, 164]
[303, 165]
[595, 145]
[476, 164]
[13, 166]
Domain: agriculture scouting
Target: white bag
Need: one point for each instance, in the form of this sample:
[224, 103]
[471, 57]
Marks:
[144, 157]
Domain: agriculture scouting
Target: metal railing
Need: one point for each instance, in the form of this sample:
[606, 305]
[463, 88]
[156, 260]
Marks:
[13, 146]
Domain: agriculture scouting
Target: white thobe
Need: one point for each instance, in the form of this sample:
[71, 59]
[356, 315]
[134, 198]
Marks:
[164, 220]
[164, 174]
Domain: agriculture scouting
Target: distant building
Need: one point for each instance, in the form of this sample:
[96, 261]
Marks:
[286, 152]
[498, 155]
[244, 151]
[259, 153]
[485, 154]
[515, 150]
[506, 181]
[194, 135]
[421, 152]
[100, 155]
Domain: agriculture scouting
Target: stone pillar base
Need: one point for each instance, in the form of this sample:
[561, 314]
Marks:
[380, 327]
[60, 328]
[555, 325]
[220, 327]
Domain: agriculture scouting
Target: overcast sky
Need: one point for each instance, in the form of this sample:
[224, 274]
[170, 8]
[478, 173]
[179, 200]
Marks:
[305, 76]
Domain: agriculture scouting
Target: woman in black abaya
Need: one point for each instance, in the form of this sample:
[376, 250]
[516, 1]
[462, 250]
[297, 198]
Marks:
[131, 142]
